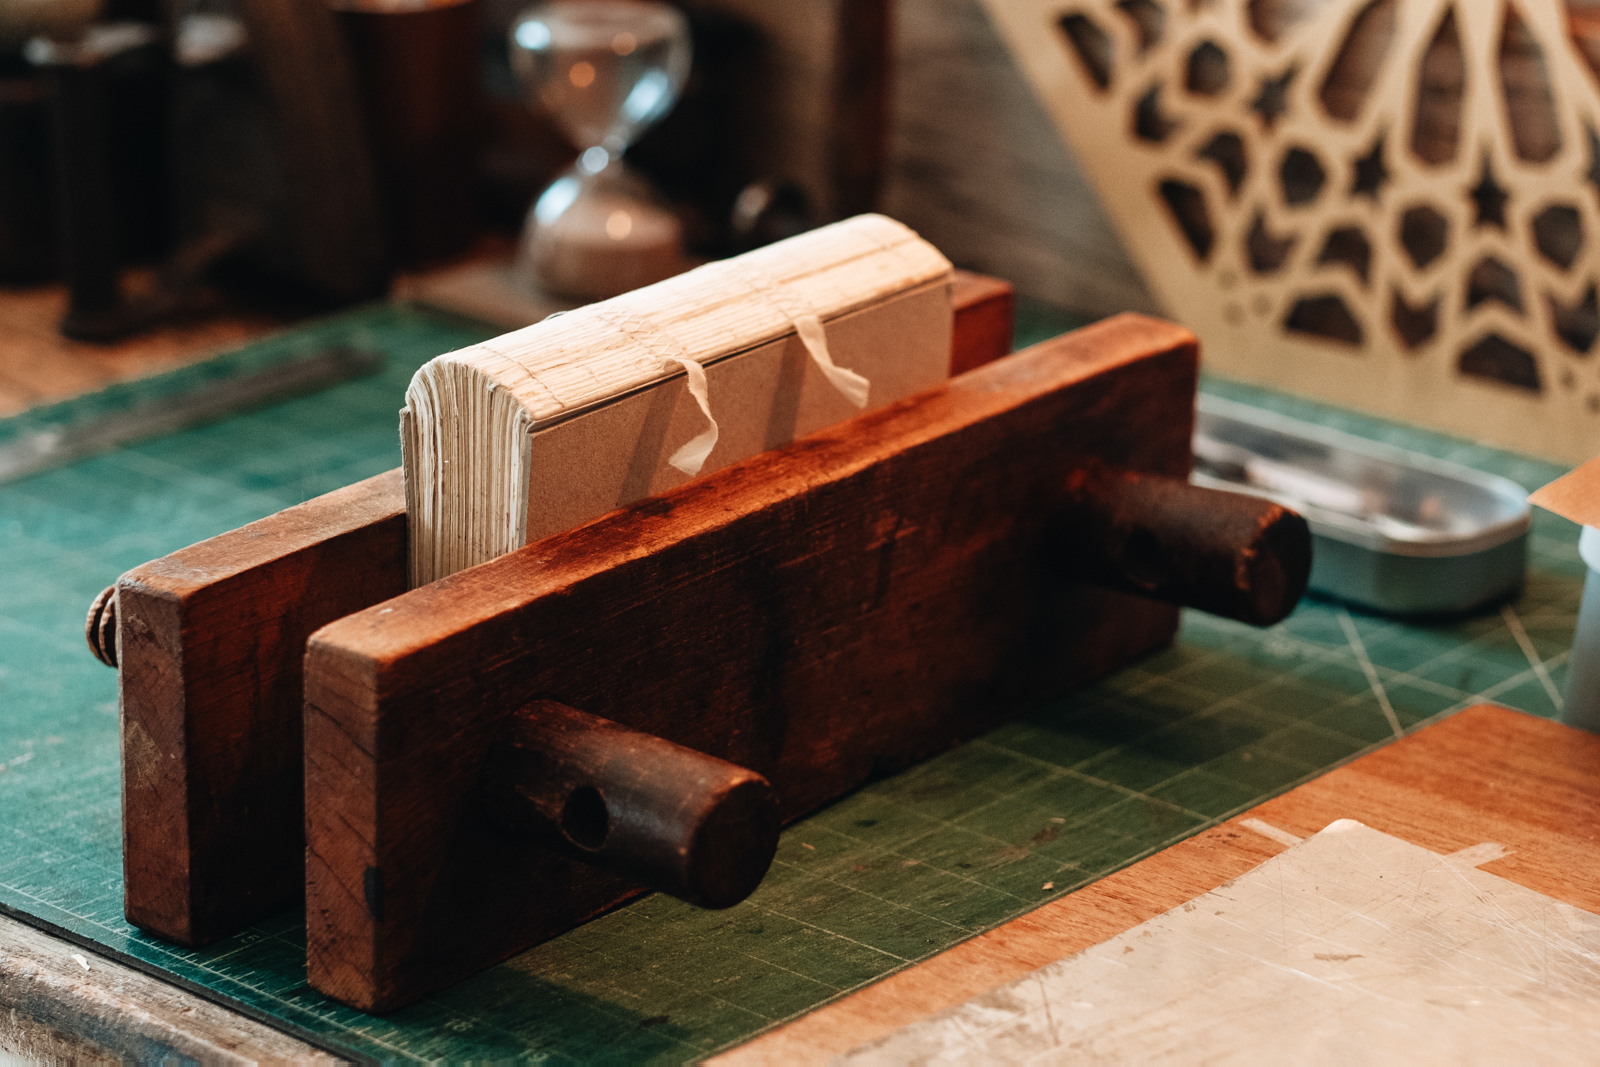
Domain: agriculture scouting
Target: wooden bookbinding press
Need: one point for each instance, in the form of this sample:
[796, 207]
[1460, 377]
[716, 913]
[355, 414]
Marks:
[642, 701]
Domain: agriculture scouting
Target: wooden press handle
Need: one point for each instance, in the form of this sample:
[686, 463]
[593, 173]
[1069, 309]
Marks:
[1230, 554]
[700, 828]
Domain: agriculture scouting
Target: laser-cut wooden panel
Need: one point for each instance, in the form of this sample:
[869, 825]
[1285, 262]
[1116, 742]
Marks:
[1391, 204]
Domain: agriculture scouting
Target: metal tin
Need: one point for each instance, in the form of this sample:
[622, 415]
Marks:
[1392, 531]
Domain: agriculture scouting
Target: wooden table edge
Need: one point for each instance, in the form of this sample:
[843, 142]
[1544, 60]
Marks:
[1546, 821]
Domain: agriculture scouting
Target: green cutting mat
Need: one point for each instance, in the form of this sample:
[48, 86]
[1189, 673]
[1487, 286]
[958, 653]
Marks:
[892, 874]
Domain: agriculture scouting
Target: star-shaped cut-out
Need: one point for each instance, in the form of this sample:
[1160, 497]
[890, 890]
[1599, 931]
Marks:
[1489, 197]
[1370, 172]
[1272, 99]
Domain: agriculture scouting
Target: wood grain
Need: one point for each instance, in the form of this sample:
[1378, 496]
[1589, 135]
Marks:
[209, 642]
[677, 820]
[841, 606]
[985, 309]
[1486, 774]
[212, 798]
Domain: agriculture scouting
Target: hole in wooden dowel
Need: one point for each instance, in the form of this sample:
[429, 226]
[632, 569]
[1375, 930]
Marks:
[1143, 562]
[584, 819]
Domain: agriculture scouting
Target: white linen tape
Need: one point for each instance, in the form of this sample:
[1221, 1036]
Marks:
[852, 386]
[692, 456]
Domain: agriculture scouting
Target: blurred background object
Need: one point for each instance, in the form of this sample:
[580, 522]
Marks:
[1384, 203]
[192, 172]
[780, 125]
[794, 93]
[224, 135]
[417, 69]
[972, 161]
[27, 233]
[59, 19]
[605, 71]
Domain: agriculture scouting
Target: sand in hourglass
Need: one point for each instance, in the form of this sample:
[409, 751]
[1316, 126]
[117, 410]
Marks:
[605, 70]
[606, 243]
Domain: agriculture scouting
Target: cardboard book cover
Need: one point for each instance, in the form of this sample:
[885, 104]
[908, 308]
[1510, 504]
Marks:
[545, 428]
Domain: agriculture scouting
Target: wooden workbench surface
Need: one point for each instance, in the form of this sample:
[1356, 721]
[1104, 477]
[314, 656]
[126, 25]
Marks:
[39, 366]
[1486, 774]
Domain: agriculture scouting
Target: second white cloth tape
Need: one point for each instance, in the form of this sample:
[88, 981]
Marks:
[852, 386]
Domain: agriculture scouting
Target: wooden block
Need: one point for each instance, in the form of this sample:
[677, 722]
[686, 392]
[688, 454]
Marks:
[820, 613]
[986, 313]
[212, 641]
[1485, 774]
[209, 643]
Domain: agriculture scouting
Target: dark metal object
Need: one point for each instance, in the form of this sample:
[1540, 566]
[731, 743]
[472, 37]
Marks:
[700, 828]
[269, 163]
[1392, 531]
[1229, 554]
[769, 210]
[83, 182]
[105, 152]
[417, 72]
[333, 221]
[100, 628]
[27, 226]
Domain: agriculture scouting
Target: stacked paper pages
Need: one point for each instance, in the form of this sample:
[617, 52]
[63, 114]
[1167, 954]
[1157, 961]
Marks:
[545, 428]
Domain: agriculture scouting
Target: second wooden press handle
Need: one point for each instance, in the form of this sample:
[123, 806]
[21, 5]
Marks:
[1230, 554]
[697, 827]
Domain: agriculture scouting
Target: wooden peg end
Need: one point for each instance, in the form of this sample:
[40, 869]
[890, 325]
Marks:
[697, 827]
[1230, 554]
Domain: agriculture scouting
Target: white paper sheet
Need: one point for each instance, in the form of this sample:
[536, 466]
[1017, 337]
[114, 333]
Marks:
[1352, 947]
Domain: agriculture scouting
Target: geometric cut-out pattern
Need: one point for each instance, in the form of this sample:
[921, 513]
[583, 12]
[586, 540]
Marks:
[1304, 181]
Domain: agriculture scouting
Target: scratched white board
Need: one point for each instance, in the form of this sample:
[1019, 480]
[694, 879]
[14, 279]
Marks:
[1350, 947]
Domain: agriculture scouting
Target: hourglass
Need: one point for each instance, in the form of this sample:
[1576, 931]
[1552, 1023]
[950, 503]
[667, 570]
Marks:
[606, 70]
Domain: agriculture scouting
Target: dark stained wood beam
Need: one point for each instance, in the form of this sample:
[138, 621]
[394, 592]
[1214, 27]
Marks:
[830, 610]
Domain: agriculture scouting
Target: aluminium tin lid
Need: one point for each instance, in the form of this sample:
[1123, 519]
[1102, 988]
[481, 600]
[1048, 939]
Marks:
[1361, 492]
